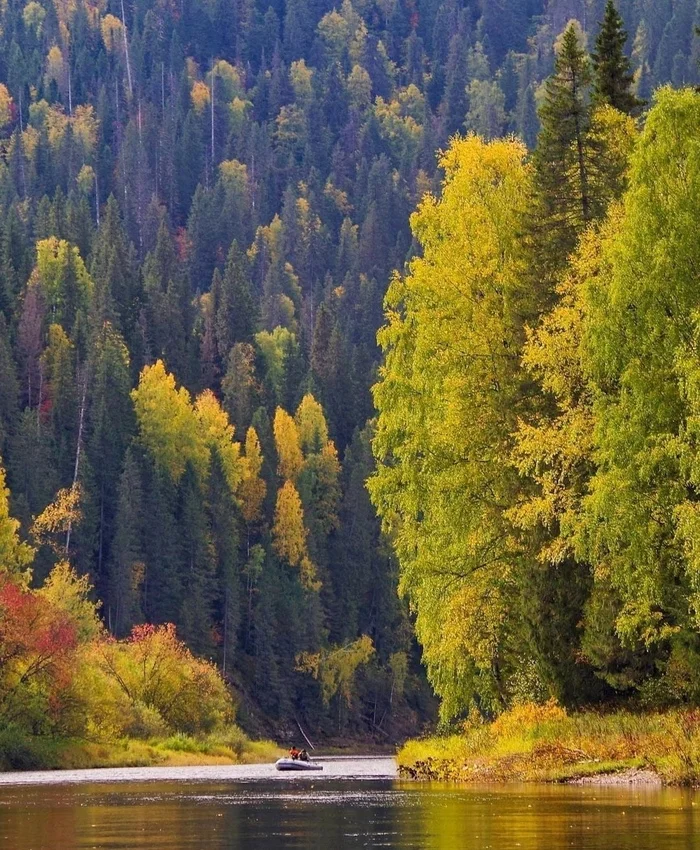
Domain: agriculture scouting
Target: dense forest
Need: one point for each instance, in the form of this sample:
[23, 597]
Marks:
[202, 205]
[538, 427]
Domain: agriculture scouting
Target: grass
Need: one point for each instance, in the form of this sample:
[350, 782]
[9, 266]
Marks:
[228, 746]
[545, 743]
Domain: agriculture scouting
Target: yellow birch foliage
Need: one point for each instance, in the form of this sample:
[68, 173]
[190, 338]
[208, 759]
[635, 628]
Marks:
[449, 398]
[200, 96]
[15, 556]
[111, 29]
[311, 425]
[288, 531]
[252, 489]
[287, 443]
[50, 527]
[218, 433]
[168, 426]
[69, 592]
[556, 449]
[336, 668]
[5, 106]
[290, 535]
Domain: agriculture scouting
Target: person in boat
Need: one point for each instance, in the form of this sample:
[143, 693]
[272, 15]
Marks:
[294, 753]
[303, 756]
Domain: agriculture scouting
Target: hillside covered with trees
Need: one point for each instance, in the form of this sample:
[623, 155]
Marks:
[202, 206]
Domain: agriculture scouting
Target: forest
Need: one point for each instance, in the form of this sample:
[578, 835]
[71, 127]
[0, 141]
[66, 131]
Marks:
[204, 205]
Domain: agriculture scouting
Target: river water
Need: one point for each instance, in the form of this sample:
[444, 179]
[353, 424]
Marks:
[354, 803]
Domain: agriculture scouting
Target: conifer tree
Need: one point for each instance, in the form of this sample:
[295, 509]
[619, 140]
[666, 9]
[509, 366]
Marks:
[126, 565]
[110, 425]
[561, 160]
[612, 76]
[236, 319]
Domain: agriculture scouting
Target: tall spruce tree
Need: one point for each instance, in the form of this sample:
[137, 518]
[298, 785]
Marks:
[612, 77]
[562, 200]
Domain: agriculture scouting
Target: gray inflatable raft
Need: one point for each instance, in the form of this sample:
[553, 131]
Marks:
[297, 764]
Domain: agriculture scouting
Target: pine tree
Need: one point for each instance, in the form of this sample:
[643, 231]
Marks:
[562, 205]
[612, 76]
[126, 565]
[110, 425]
[224, 534]
[236, 314]
[113, 273]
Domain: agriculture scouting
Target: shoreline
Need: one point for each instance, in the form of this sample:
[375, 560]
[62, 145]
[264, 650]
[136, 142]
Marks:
[543, 743]
[623, 776]
[636, 776]
[65, 754]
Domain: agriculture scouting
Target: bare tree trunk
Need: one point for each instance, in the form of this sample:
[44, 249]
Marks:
[77, 454]
[126, 53]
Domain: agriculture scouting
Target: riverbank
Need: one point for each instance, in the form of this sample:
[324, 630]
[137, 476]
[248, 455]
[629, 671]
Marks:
[230, 746]
[533, 743]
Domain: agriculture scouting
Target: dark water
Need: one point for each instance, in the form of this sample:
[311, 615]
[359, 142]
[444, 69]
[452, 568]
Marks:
[352, 804]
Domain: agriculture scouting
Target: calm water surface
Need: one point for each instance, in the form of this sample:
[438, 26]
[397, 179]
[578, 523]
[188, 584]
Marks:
[354, 803]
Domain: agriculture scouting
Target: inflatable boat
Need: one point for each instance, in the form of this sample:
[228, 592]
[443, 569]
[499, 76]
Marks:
[296, 764]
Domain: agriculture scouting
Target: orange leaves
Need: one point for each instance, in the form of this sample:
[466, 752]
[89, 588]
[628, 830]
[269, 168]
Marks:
[200, 96]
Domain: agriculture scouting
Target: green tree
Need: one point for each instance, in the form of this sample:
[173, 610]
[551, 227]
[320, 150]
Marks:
[236, 319]
[126, 563]
[637, 522]
[110, 425]
[449, 397]
[612, 76]
[561, 161]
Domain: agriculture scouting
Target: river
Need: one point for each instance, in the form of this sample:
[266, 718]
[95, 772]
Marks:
[354, 803]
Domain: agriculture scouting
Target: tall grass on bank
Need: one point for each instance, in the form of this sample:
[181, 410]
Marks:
[19, 751]
[544, 743]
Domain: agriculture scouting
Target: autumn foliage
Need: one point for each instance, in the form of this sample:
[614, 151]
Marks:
[38, 644]
[61, 674]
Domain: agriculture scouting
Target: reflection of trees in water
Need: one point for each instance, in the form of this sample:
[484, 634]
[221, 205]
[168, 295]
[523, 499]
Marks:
[339, 815]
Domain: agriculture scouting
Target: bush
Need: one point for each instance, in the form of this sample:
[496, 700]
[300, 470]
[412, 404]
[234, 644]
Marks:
[145, 722]
[18, 751]
[155, 670]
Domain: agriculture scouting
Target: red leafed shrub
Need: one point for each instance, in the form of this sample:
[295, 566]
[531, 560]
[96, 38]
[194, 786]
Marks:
[37, 650]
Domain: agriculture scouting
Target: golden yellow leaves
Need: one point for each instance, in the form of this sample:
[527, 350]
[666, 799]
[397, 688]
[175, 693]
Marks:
[309, 461]
[51, 526]
[252, 488]
[288, 448]
[5, 106]
[200, 96]
[288, 530]
[15, 556]
[112, 36]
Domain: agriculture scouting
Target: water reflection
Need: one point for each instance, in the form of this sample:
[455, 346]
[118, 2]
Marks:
[340, 814]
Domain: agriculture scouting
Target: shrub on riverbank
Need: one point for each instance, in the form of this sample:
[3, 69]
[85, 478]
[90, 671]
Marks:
[543, 742]
[73, 696]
